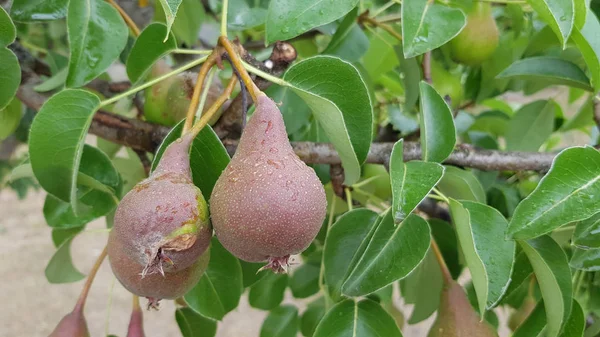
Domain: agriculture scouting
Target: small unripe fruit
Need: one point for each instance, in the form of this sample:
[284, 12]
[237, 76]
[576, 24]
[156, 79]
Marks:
[136, 321]
[479, 39]
[267, 204]
[72, 325]
[447, 84]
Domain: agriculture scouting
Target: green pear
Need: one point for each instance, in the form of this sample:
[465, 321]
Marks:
[447, 84]
[479, 39]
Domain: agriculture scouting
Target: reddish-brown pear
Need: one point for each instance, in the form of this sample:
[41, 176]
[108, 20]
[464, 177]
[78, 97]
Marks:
[72, 325]
[136, 321]
[267, 204]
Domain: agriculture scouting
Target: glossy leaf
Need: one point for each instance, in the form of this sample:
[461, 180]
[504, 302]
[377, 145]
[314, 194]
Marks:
[170, 8]
[97, 35]
[343, 245]
[582, 119]
[147, 49]
[411, 77]
[268, 292]
[586, 40]
[489, 260]
[208, 157]
[423, 288]
[60, 268]
[551, 70]
[220, 288]
[567, 193]
[38, 10]
[289, 18]
[554, 277]
[60, 235]
[558, 14]
[191, 324]
[312, 316]
[521, 272]
[586, 260]
[531, 126]
[587, 232]
[576, 323]
[534, 324]
[293, 109]
[56, 141]
[411, 182]
[392, 253]
[438, 135]
[427, 25]
[342, 117]
[56, 81]
[8, 33]
[349, 41]
[10, 76]
[352, 318]
[281, 322]
[461, 185]
[305, 280]
[10, 117]
[241, 16]
[250, 272]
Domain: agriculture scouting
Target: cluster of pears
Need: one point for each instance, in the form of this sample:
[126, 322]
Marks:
[479, 38]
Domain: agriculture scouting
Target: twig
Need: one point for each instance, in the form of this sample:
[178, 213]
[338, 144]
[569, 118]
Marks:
[336, 172]
[596, 106]
[146, 163]
[195, 130]
[426, 64]
[88, 282]
[191, 113]
[366, 19]
[134, 28]
[237, 64]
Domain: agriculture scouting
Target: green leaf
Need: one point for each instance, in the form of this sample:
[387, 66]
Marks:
[406, 244]
[289, 18]
[438, 135]
[97, 35]
[423, 288]
[551, 70]
[8, 33]
[305, 280]
[445, 237]
[208, 157]
[554, 277]
[489, 260]
[268, 292]
[567, 193]
[60, 235]
[147, 49]
[352, 318]
[38, 10]
[531, 126]
[381, 57]
[343, 244]
[10, 118]
[521, 272]
[312, 316]
[295, 112]
[170, 8]
[558, 14]
[586, 40]
[576, 323]
[461, 185]
[56, 141]
[411, 182]
[427, 25]
[582, 119]
[534, 323]
[10, 76]
[411, 77]
[220, 288]
[60, 268]
[251, 274]
[586, 260]
[281, 322]
[343, 117]
[587, 232]
[241, 16]
[193, 325]
[57, 80]
[349, 41]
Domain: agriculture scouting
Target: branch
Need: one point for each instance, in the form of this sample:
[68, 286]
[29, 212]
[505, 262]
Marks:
[596, 108]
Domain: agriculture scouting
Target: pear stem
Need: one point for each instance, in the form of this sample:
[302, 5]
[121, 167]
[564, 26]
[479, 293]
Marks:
[130, 23]
[236, 62]
[348, 198]
[191, 51]
[224, 18]
[373, 22]
[214, 108]
[440, 258]
[88, 283]
[210, 61]
[202, 103]
[266, 76]
[322, 270]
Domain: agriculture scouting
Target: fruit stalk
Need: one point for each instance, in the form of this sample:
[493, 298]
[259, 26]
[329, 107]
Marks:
[88, 282]
[214, 108]
[440, 258]
[210, 61]
[132, 26]
[237, 64]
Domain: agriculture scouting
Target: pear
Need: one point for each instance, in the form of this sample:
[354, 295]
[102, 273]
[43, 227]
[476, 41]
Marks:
[456, 317]
[136, 322]
[447, 84]
[479, 39]
[72, 325]
[267, 204]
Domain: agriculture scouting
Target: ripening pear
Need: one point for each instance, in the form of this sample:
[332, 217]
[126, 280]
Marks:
[267, 204]
[479, 39]
[447, 84]
[72, 325]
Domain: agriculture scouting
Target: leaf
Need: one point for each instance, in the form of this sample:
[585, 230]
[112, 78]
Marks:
[220, 288]
[586, 40]
[305, 280]
[60, 268]
[54, 82]
[582, 119]
[586, 260]
[489, 260]
[567, 193]
[241, 16]
[587, 232]
[342, 246]
[343, 117]
[411, 77]
[208, 157]
[312, 316]
[38, 10]
[531, 126]
[349, 41]
[268, 292]
[147, 49]
[190, 17]
[423, 288]
[97, 35]
[10, 76]
[411, 182]
[170, 8]
[554, 277]
[289, 18]
[576, 323]
[534, 324]
[551, 70]
[558, 14]
[461, 185]
[293, 109]
[281, 322]
[521, 272]
[352, 318]
[427, 25]
[10, 118]
[56, 141]
[250, 272]
[193, 325]
[438, 135]
[8, 33]
[392, 253]
[60, 235]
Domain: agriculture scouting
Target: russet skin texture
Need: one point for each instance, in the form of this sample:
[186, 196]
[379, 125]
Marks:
[267, 204]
